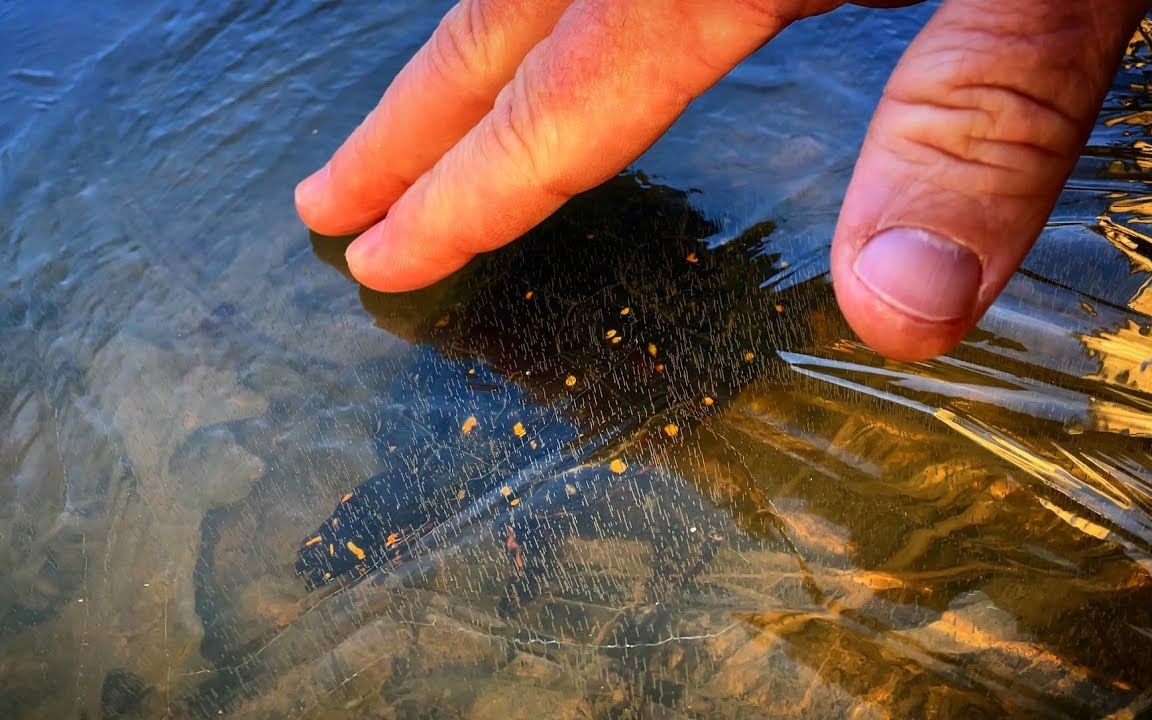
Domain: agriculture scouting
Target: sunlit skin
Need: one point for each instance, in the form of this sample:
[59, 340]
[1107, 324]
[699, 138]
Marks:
[513, 106]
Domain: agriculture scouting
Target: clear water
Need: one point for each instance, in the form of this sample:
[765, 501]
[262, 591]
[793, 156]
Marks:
[190, 386]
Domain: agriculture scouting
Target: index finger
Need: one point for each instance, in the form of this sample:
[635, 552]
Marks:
[587, 100]
[445, 89]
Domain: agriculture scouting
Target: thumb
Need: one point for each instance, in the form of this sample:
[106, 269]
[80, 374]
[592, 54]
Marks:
[979, 127]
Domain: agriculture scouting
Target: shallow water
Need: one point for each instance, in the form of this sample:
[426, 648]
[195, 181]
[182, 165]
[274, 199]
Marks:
[191, 386]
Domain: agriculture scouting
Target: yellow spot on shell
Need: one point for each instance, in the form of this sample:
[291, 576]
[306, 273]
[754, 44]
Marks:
[610, 334]
[660, 367]
[618, 466]
[331, 549]
[505, 491]
[652, 349]
[469, 424]
[692, 258]
[616, 339]
[533, 444]
[570, 381]
[570, 489]
[528, 295]
[355, 550]
[779, 308]
[671, 430]
[709, 401]
[462, 494]
[313, 541]
[442, 322]
[347, 497]
[514, 502]
[625, 311]
[335, 523]
[518, 430]
[390, 541]
[327, 576]
[749, 356]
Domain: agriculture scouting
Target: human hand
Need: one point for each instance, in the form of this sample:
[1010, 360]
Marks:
[513, 106]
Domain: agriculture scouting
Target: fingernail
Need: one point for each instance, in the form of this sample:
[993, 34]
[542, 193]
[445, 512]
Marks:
[924, 274]
[310, 190]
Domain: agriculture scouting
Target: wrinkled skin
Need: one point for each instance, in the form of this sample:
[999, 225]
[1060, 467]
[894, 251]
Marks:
[514, 106]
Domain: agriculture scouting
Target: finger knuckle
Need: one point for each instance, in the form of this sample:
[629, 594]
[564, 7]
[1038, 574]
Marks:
[525, 137]
[975, 165]
[976, 134]
[1013, 83]
[459, 47]
[986, 120]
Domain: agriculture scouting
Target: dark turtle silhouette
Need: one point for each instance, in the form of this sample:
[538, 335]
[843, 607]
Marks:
[553, 367]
